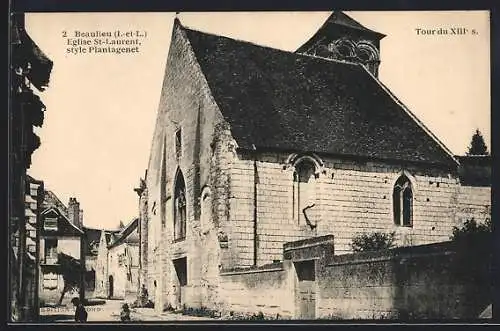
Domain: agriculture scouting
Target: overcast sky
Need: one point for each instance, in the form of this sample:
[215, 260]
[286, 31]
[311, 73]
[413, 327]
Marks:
[101, 109]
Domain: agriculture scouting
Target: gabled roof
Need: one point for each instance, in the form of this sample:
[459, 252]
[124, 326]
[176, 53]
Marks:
[127, 234]
[65, 227]
[288, 101]
[51, 200]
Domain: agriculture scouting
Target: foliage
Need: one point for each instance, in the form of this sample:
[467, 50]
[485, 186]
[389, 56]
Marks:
[471, 230]
[376, 241]
[477, 145]
[474, 247]
[71, 271]
[199, 312]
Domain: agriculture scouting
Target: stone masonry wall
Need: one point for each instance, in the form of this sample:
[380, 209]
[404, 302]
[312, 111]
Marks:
[420, 282]
[186, 103]
[351, 197]
[356, 289]
[267, 290]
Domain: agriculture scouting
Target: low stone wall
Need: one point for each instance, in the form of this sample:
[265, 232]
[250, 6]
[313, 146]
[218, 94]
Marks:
[356, 287]
[434, 281]
[263, 290]
[421, 282]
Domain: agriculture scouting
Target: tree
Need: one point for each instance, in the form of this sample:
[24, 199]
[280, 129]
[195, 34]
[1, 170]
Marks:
[477, 145]
[471, 231]
[121, 226]
[375, 241]
[71, 270]
[474, 247]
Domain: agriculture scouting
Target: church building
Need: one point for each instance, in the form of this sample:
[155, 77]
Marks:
[255, 147]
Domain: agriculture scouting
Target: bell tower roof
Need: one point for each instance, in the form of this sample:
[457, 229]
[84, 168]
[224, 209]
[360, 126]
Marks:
[339, 22]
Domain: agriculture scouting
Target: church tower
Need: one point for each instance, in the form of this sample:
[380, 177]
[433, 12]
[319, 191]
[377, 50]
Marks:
[344, 39]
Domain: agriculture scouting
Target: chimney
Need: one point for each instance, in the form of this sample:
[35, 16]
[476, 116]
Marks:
[74, 212]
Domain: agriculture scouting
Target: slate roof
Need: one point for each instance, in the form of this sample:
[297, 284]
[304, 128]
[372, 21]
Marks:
[93, 237]
[283, 100]
[340, 18]
[51, 200]
[128, 234]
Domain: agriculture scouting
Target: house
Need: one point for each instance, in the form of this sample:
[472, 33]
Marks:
[34, 197]
[256, 147]
[92, 239]
[60, 232]
[29, 68]
[123, 262]
[101, 264]
[118, 262]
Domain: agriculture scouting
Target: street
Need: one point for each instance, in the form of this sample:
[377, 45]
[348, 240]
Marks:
[109, 311]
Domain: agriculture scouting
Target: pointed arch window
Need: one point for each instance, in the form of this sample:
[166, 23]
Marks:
[303, 189]
[402, 198]
[180, 208]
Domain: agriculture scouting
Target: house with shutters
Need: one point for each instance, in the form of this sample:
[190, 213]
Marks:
[60, 232]
[256, 147]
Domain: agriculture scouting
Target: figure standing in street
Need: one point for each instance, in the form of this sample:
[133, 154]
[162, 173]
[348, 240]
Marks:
[80, 312]
[144, 295]
[125, 313]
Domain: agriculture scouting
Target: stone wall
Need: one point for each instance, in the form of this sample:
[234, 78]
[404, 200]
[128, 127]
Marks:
[422, 282]
[351, 197]
[186, 104]
[264, 290]
[473, 202]
[101, 270]
[124, 283]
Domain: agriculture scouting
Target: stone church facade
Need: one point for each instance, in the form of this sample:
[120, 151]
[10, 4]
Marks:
[256, 147]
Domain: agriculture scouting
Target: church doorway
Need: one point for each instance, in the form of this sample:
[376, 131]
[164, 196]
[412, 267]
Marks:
[111, 287]
[180, 266]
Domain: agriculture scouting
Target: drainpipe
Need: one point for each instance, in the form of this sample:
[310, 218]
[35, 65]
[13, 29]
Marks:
[255, 182]
[22, 251]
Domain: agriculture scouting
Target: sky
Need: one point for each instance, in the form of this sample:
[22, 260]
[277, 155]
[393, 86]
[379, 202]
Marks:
[101, 109]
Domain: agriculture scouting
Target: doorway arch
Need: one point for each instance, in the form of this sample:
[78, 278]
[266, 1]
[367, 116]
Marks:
[111, 287]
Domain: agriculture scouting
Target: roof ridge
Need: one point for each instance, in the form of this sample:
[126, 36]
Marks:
[125, 233]
[269, 47]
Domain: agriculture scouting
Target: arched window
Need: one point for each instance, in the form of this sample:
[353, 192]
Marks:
[179, 208]
[368, 55]
[402, 199]
[304, 190]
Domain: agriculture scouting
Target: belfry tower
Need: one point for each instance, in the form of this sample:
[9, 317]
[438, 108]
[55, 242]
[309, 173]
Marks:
[344, 39]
